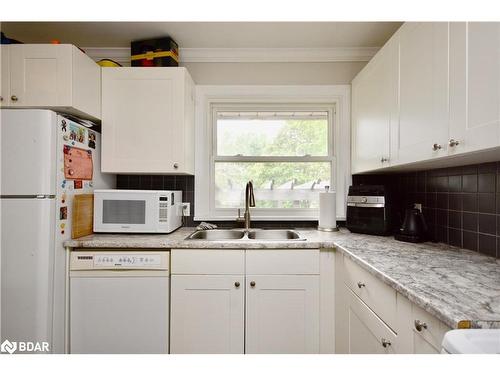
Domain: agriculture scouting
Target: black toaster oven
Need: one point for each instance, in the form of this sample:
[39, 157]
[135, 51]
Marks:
[368, 210]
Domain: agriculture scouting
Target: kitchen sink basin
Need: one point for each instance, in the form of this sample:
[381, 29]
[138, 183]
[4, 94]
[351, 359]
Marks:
[274, 234]
[216, 235]
[257, 234]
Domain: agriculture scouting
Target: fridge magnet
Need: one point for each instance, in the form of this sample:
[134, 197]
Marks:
[63, 213]
[78, 184]
[92, 138]
[76, 133]
[64, 126]
[78, 163]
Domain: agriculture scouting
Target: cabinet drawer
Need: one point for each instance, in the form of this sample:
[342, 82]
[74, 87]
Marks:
[427, 327]
[282, 262]
[367, 333]
[207, 262]
[379, 297]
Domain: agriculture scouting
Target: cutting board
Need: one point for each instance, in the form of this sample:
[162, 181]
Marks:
[83, 215]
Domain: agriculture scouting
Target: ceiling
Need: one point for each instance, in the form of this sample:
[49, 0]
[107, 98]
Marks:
[208, 34]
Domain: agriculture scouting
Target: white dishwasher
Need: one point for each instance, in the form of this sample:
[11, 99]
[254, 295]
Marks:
[119, 302]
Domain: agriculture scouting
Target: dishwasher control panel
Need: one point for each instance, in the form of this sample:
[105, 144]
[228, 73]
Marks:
[84, 260]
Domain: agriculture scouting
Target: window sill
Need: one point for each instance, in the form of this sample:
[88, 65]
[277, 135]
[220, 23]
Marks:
[263, 218]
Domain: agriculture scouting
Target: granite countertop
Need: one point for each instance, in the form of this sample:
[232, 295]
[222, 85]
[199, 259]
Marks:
[450, 283]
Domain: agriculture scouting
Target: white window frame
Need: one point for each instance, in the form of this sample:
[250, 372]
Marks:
[332, 98]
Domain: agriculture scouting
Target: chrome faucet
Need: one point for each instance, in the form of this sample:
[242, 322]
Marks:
[249, 202]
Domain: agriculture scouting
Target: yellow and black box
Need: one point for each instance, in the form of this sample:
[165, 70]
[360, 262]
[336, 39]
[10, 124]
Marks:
[155, 52]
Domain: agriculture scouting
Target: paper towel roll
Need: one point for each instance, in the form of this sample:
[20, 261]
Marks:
[327, 211]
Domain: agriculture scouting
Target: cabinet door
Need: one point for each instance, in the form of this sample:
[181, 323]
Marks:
[40, 75]
[5, 75]
[142, 120]
[474, 85]
[374, 110]
[367, 334]
[423, 95]
[207, 314]
[282, 314]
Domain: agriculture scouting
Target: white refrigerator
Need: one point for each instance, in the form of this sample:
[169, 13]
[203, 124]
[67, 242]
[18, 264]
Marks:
[46, 159]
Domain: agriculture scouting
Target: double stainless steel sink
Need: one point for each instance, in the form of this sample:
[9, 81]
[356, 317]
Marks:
[252, 234]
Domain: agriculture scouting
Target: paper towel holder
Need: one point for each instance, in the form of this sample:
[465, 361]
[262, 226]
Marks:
[328, 229]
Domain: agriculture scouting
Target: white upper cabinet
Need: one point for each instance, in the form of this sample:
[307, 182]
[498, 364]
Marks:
[147, 120]
[423, 91]
[474, 85]
[448, 94]
[374, 110]
[5, 75]
[59, 77]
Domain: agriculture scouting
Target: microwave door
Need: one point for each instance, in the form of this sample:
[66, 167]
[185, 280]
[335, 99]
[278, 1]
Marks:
[123, 213]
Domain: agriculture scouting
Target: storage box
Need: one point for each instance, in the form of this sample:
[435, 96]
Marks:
[155, 52]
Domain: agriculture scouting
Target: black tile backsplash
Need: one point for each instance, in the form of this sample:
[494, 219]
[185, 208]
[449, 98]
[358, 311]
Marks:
[461, 205]
[186, 184]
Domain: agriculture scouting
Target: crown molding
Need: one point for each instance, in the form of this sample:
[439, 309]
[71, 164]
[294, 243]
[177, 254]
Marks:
[245, 55]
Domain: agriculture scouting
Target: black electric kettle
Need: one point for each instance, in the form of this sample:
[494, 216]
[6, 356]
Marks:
[414, 228]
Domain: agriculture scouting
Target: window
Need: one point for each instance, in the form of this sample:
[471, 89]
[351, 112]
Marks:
[290, 141]
[286, 155]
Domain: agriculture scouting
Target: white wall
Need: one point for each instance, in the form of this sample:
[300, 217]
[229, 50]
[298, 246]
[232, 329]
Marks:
[321, 73]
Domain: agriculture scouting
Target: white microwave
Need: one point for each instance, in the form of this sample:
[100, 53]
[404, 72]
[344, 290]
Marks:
[137, 211]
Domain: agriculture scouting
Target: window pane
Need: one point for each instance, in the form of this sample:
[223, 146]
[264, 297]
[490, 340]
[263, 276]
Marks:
[276, 185]
[272, 133]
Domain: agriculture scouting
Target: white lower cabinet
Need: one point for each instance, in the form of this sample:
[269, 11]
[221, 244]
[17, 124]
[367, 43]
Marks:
[207, 314]
[367, 322]
[217, 306]
[367, 333]
[282, 314]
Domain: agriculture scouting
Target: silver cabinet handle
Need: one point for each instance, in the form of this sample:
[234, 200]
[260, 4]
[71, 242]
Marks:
[176, 165]
[361, 285]
[383, 160]
[436, 146]
[252, 283]
[454, 142]
[13, 98]
[237, 284]
[419, 325]
[385, 343]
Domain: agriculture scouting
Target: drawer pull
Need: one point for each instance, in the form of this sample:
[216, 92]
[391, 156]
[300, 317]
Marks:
[237, 284]
[13, 98]
[252, 284]
[361, 285]
[385, 343]
[419, 325]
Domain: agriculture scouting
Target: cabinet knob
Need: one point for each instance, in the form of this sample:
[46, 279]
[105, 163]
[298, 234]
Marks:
[385, 343]
[419, 325]
[436, 146]
[237, 284]
[383, 160]
[176, 165]
[1, 98]
[361, 285]
[13, 98]
[252, 283]
[454, 142]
